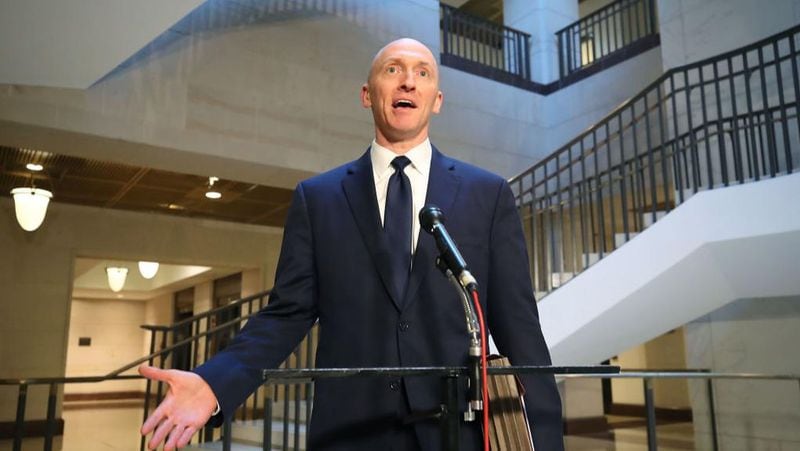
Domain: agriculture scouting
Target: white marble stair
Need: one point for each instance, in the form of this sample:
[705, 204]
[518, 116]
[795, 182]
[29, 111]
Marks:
[647, 218]
[619, 238]
[218, 447]
[248, 435]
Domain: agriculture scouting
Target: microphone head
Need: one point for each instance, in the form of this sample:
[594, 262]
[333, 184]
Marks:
[429, 216]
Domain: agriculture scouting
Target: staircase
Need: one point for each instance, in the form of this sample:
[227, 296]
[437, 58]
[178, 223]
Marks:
[679, 201]
[250, 435]
[192, 341]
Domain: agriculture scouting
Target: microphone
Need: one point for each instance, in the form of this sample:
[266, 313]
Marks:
[431, 219]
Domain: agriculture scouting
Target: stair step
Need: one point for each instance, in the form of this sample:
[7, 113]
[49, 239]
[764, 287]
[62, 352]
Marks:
[218, 446]
[619, 238]
[593, 258]
[560, 278]
[252, 432]
[277, 410]
[248, 435]
[647, 218]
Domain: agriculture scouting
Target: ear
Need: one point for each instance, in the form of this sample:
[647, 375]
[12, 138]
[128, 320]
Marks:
[365, 100]
[437, 104]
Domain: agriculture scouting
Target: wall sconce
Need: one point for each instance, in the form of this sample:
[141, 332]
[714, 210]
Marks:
[148, 270]
[116, 277]
[30, 205]
[212, 193]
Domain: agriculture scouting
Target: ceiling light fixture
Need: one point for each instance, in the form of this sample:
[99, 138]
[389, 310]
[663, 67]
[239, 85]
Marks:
[212, 193]
[30, 206]
[148, 270]
[30, 202]
[116, 277]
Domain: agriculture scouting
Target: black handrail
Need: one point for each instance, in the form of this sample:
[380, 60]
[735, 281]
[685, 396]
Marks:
[725, 120]
[605, 32]
[52, 395]
[198, 337]
[307, 376]
[303, 378]
[488, 45]
[165, 344]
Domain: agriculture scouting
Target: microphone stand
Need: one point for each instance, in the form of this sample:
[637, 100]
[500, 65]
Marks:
[475, 400]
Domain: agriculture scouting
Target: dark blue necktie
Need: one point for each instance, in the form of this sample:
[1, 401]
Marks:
[397, 224]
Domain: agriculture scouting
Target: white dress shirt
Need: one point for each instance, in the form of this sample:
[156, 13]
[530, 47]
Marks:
[417, 173]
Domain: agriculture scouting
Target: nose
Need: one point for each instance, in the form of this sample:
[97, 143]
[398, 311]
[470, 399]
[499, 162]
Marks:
[409, 81]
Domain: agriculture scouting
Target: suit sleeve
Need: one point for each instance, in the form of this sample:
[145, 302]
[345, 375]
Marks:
[270, 336]
[514, 321]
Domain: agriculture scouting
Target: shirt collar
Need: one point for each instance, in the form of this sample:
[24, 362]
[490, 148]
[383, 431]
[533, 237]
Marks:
[382, 157]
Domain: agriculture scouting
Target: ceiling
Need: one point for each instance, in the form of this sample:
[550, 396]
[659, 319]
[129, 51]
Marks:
[91, 282]
[73, 43]
[94, 183]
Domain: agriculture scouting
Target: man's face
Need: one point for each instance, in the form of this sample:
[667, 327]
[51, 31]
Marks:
[403, 92]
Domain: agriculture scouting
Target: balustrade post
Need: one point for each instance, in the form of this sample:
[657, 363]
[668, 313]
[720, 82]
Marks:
[650, 407]
[267, 431]
[712, 414]
[49, 427]
[226, 435]
[19, 424]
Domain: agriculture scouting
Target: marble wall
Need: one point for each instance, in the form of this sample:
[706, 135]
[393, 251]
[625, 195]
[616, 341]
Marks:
[692, 30]
[274, 99]
[748, 336]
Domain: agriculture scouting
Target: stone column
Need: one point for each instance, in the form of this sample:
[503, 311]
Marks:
[541, 19]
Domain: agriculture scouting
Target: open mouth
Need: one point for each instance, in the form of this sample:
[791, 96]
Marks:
[403, 103]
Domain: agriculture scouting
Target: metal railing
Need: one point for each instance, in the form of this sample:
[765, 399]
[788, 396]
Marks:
[605, 32]
[53, 384]
[649, 376]
[295, 391]
[196, 339]
[305, 378]
[187, 344]
[489, 45]
[729, 119]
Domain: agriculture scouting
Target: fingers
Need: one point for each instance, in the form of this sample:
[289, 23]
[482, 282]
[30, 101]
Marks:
[186, 437]
[154, 373]
[179, 435]
[174, 435]
[154, 419]
[161, 433]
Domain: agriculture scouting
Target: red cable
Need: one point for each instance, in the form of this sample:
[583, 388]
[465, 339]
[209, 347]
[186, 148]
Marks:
[484, 374]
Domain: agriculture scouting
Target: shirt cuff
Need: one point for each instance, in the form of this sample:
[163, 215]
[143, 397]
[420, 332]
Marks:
[216, 410]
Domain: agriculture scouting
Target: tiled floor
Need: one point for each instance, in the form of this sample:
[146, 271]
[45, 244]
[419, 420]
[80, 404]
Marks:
[670, 437]
[115, 427]
[109, 427]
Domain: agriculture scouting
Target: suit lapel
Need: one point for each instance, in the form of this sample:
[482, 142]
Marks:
[359, 189]
[443, 184]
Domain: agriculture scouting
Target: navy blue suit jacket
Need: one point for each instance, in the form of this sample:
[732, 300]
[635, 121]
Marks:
[334, 268]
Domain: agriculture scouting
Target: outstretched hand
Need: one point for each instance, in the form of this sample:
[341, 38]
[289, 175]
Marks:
[186, 408]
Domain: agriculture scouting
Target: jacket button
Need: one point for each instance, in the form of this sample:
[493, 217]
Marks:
[403, 326]
[394, 385]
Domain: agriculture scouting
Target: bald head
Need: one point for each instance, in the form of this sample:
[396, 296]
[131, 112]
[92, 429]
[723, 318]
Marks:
[403, 46]
[402, 91]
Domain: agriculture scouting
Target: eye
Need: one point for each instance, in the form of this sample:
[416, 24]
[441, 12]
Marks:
[423, 73]
[392, 70]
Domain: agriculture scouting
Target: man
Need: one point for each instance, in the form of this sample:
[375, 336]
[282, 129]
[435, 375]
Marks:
[353, 259]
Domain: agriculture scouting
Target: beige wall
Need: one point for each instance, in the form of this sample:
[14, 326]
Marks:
[116, 339]
[665, 352]
[36, 275]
